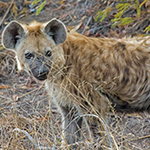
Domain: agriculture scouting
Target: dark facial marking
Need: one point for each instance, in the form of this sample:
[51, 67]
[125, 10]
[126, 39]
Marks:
[29, 55]
[39, 65]
[48, 53]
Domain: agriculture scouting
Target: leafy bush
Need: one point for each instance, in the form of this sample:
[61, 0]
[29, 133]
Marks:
[122, 7]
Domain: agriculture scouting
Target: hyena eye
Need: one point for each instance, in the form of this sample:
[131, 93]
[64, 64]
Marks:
[29, 55]
[48, 53]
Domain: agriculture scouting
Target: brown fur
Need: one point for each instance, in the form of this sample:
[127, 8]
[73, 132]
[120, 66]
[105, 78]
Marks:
[84, 72]
[117, 67]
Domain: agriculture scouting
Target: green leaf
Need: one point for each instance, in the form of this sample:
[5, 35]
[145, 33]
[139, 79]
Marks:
[115, 24]
[138, 12]
[123, 6]
[137, 7]
[100, 13]
[115, 19]
[40, 8]
[119, 14]
[103, 14]
[147, 29]
[126, 20]
[35, 2]
[1, 47]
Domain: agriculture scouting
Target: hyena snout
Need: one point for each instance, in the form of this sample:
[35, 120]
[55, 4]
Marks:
[40, 68]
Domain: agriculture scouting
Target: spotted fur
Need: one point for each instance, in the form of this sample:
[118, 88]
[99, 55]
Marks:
[82, 73]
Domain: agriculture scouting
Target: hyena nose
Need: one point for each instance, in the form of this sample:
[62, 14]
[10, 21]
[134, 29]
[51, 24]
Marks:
[40, 69]
[42, 73]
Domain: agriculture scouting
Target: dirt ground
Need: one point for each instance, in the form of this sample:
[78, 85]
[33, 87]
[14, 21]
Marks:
[27, 120]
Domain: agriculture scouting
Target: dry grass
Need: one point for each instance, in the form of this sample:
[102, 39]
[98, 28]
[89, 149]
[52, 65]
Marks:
[27, 120]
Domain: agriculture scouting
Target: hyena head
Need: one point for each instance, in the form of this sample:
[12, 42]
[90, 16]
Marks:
[37, 46]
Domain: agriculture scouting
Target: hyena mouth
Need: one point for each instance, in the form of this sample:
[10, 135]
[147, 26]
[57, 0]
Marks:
[41, 73]
[42, 76]
[39, 67]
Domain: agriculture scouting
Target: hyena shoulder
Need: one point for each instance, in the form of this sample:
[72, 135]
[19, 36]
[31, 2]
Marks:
[118, 68]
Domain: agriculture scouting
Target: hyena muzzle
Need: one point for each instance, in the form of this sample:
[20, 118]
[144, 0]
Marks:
[82, 73]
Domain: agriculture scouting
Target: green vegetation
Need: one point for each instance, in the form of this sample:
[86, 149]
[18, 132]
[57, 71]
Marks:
[40, 6]
[121, 8]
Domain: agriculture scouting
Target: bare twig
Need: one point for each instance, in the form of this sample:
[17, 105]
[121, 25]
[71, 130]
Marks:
[31, 139]
[86, 25]
[28, 136]
[6, 12]
[109, 134]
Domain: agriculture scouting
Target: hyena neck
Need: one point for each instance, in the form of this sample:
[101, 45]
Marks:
[72, 53]
[81, 53]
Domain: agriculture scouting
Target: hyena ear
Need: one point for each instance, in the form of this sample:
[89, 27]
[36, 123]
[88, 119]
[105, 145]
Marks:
[11, 35]
[56, 30]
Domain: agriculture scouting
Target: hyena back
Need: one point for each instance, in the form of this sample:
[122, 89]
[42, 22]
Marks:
[81, 73]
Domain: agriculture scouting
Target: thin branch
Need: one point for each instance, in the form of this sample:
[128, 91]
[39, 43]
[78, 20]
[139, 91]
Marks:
[86, 25]
[6, 12]
[31, 139]
[101, 120]
[28, 136]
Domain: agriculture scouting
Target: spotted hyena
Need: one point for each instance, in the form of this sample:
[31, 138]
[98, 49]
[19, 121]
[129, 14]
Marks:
[81, 73]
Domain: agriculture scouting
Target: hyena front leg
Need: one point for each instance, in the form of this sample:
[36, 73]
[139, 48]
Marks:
[71, 125]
